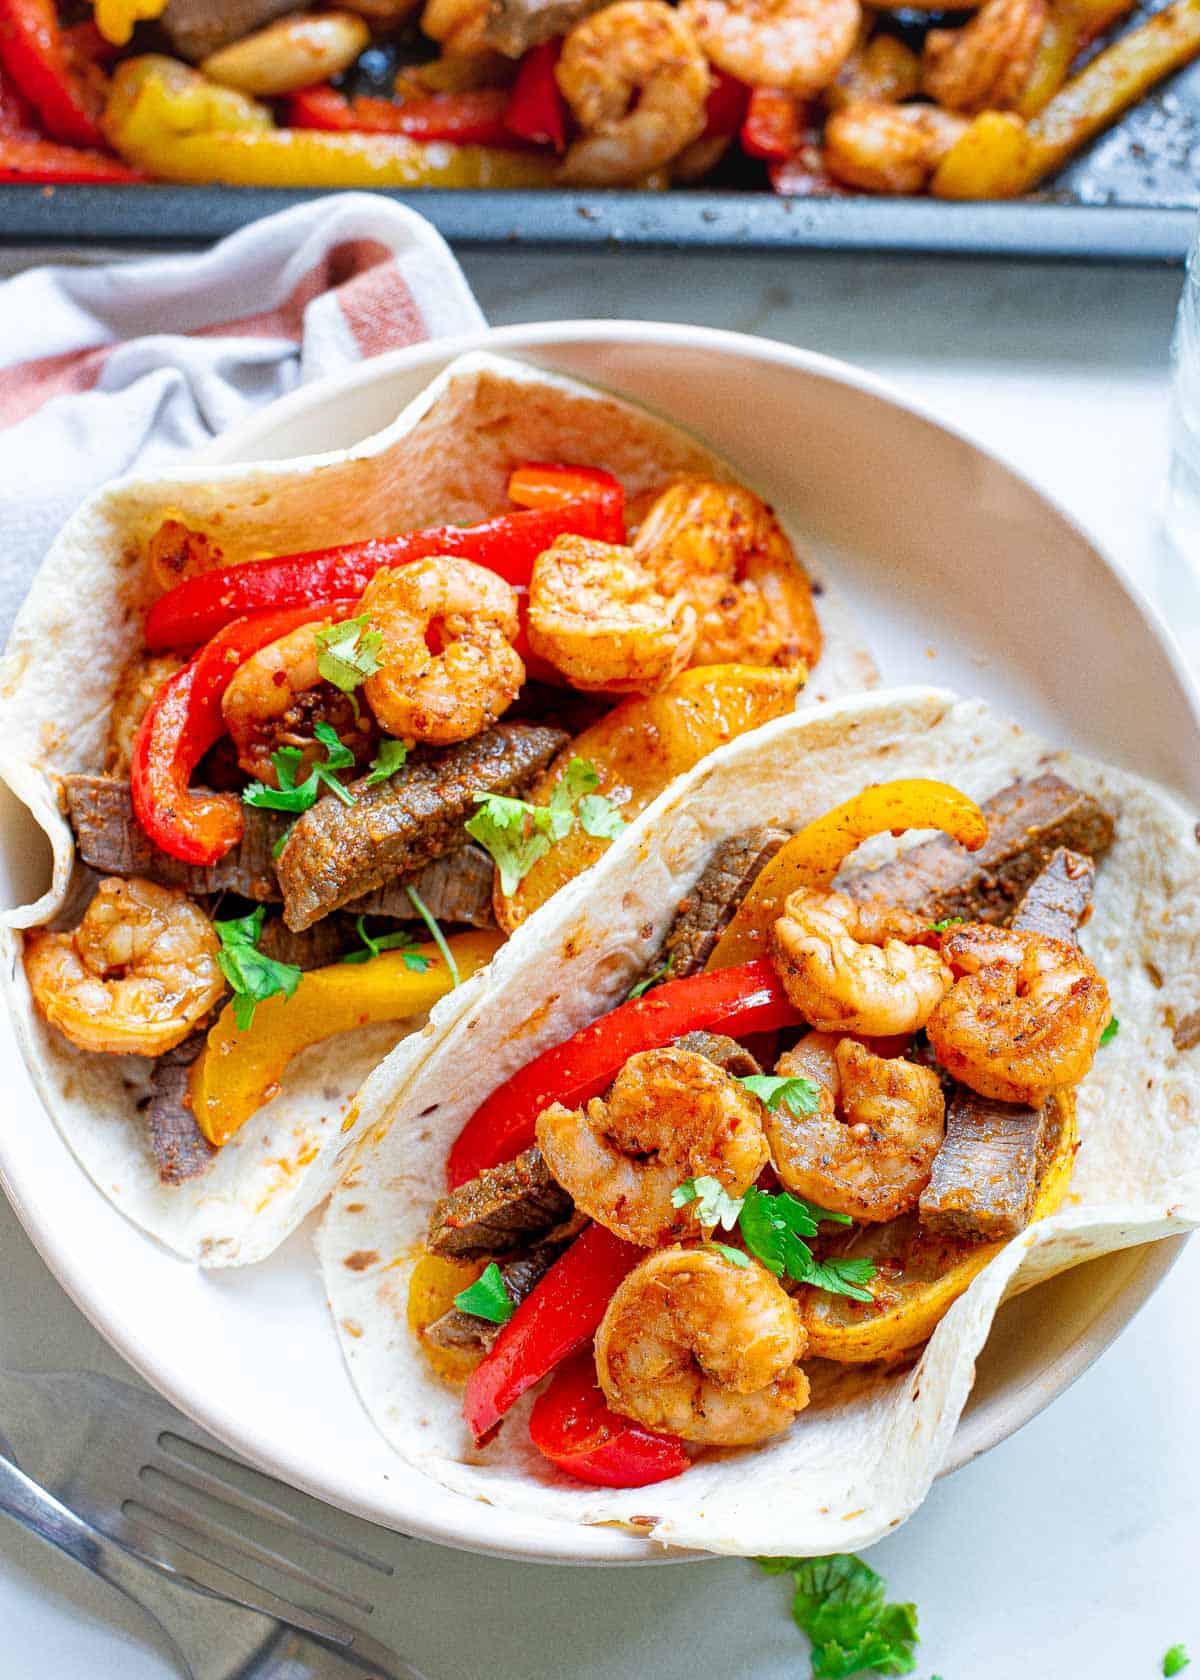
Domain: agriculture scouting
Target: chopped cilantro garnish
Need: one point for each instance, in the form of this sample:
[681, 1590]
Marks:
[1111, 1030]
[516, 833]
[487, 1297]
[840, 1603]
[435, 933]
[714, 1204]
[946, 922]
[414, 960]
[287, 796]
[733, 1255]
[659, 975]
[348, 653]
[387, 761]
[799, 1096]
[774, 1226]
[1175, 1661]
[252, 975]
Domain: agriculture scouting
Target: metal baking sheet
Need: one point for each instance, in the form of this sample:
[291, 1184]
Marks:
[1132, 196]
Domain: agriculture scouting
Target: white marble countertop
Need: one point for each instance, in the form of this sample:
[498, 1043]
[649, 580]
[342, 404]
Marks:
[1068, 1551]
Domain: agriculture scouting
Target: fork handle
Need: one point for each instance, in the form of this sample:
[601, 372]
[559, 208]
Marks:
[38, 1511]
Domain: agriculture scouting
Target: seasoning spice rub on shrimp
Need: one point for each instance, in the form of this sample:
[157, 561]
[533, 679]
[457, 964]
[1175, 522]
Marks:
[331, 770]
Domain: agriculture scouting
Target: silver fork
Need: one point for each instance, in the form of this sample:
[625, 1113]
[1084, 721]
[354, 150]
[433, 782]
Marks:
[114, 1477]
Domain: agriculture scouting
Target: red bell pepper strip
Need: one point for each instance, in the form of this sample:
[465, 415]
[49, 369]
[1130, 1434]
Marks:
[773, 127]
[474, 116]
[572, 1426]
[725, 107]
[34, 54]
[195, 609]
[23, 158]
[16, 113]
[536, 110]
[181, 723]
[558, 1317]
[549, 484]
[745, 999]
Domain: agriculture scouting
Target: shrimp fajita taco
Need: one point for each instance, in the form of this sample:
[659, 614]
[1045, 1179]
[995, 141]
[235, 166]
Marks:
[697, 1217]
[308, 740]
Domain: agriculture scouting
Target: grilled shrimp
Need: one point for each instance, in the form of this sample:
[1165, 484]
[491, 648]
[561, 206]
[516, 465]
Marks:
[847, 967]
[1023, 1017]
[798, 45]
[449, 668]
[137, 685]
[671, 1115]
[600, 617]
[636, 80]
[883, 69]
[460, 26]
[888, 148]
[277, 697]
[985, 65]
[137, 974]
[723, 548]
[868, 1149]
[698, 1347]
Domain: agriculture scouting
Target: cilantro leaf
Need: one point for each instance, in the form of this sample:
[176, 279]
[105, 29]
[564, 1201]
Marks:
[946, 922]
[799, 1096]
[435, 933]
[599, 817]
[1175, 1661]
[714, 1205]
[579, 778]
[348, 653]
[387, 761]
[1106, 1037]
[840, 1603]
[513, 832]
[733, 1255]
[487, 1297]
[773, 1228]
[251, 975]
[415, 961]
[643, 986]
[287, 796]
[842, 1277]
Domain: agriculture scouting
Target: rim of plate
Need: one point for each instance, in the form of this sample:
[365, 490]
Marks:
[472, 1526]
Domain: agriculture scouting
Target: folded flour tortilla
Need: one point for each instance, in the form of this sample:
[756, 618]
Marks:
[862, 1457]
[445, 459]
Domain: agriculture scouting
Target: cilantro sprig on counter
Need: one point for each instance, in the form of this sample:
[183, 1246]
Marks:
[487, 1297]
[773, 1228]
[1175, 1661]
[841, 1604]
[251, 974]
[517, 833]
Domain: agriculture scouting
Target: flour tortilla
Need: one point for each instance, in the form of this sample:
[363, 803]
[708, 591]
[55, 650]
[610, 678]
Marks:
[445, 459]
[862, 1458]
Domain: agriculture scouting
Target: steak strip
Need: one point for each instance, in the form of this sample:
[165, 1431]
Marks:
[336, 853]
[456, 887]
[706, 912]
[498, 1210]
[731, 1057]
[985, 1176]
[516, 25]
[1027, 823]
[458, 1329]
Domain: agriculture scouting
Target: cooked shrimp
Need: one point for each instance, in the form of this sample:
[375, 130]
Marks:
[449, 668]
[882, 69]
[599, 616]
[722, 547]
[847, 967]
[1023, 1017]
[798, 45]
[137, 685]
[868, 1148]
[278, 696]
[671, 1115]
[137, 974]
[459, 25]
[985, 65]
[698, 1347]
[888, 148]
[636, 80]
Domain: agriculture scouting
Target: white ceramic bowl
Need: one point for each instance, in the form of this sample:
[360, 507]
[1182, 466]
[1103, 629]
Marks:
[964, 575]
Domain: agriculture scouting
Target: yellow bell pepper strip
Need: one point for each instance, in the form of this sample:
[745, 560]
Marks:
[813, 857]
[115, 19]
[641, 746]
[988, 160]
[176, 125]
[237, 1072]
[431, 1291]
[919, 1276]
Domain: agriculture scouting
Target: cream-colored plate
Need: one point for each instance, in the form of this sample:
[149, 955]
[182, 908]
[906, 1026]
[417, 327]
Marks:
[964, 575]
